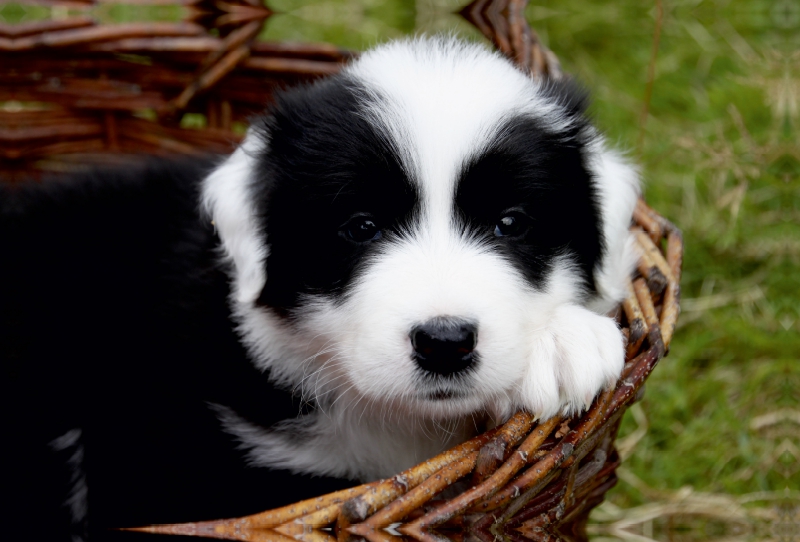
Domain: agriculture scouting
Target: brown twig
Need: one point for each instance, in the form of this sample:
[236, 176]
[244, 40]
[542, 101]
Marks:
[358, 509]
[654, 259]
[491, 485]
[636, 322]
[95, 34]
[671, 308]
[646, 303]
[216, 72]
[289, 65]
[495, 451]
[528, 484]
[39, 27]
[418, 496]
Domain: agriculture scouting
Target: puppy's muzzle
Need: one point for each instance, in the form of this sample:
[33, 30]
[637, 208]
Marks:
[444, 345]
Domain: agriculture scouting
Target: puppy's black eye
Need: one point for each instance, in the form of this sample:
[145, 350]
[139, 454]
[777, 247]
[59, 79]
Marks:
[512, 224]
[360, 229]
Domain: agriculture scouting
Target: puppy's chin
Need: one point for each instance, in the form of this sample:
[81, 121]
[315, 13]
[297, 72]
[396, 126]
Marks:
[457, 401]
[447, 403]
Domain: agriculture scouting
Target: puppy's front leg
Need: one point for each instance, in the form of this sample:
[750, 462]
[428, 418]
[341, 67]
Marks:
[575, 355]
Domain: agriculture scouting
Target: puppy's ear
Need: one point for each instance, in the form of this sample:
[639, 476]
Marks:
[567, 93]
[228, 201]
[617, 183]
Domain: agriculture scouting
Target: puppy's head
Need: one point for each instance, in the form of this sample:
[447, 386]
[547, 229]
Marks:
[400, 232]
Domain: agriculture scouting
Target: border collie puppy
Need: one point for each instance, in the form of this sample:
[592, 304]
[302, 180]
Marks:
[395, 257]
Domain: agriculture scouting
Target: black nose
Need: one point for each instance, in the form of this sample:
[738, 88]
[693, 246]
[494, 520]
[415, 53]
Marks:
[444, 345]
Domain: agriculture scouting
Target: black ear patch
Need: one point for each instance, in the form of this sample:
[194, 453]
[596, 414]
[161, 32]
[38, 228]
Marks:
[569, 94]
[532, 173]
[326, 164]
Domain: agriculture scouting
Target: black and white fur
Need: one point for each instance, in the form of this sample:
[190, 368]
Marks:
[431, 192]
[435, 140]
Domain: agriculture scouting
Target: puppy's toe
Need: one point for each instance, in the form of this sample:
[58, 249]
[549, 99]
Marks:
[539, 389]
[590, 355]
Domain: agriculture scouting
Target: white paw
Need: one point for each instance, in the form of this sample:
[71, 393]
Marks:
[575, 356]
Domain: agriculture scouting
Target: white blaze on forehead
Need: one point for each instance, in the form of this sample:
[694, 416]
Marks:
[441, 102]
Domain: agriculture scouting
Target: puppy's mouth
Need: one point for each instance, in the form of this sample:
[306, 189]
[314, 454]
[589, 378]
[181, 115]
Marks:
[442, 395]
[442, 390]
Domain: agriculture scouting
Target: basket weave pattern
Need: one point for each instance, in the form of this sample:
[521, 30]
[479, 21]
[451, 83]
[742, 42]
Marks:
[77, 92]
[112, 92]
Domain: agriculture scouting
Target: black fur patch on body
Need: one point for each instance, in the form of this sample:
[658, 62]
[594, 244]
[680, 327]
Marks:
[117, 320]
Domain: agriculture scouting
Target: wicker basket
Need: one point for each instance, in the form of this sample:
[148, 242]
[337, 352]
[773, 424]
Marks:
[113, 92]
[80, 93]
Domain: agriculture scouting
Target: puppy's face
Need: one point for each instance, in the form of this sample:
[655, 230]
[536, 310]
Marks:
[420, 220]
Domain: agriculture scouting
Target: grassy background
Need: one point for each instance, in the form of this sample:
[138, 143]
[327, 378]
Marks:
[713, 451]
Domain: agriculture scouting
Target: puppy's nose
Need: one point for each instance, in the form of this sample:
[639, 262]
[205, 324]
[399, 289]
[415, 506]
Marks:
[444, 345]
